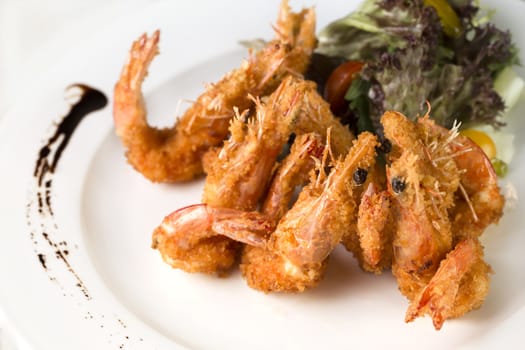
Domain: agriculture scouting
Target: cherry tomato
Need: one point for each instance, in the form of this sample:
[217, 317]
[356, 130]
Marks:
[338, 83]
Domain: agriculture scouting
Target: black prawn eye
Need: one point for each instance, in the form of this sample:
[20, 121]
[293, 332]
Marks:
[360, 176]
[398, 184]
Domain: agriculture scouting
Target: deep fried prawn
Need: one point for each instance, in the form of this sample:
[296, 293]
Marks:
[175, 154]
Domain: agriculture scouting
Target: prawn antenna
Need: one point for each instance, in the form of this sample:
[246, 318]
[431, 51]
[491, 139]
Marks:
[327, 155]
[279, 33]
[454, 131]
[239, 116]
[293, 72]
[469, 202]
[271, 71]
[328, 147]
[429, 108]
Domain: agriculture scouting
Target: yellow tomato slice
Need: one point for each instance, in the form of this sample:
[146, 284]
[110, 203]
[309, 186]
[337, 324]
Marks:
[449, 19]
[482, 140]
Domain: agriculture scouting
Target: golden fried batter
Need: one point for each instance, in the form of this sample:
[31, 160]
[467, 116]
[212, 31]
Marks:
[240, 172]
[296, 255]
[460, 284]
[175, 154]
[237, 179]
[439, 264]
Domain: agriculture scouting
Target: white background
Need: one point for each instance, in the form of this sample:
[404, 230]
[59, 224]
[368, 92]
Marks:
[33, 34]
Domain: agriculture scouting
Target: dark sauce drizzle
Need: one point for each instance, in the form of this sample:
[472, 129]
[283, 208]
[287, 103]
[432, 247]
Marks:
[40, 206]
[40, 215]
[91, 100]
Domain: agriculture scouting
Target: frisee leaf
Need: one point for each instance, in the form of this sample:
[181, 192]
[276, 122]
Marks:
[410, 60]
[357, 95]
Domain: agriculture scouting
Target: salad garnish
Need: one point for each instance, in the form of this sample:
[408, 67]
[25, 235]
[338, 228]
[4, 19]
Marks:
[445, 52]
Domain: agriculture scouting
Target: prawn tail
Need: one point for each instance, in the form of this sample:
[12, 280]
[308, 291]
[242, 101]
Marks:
[128, 107]
[252, 228]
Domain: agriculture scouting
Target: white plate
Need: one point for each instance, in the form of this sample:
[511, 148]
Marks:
[115, 292]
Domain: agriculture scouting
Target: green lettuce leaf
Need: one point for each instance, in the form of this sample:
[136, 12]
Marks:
[411, 61]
